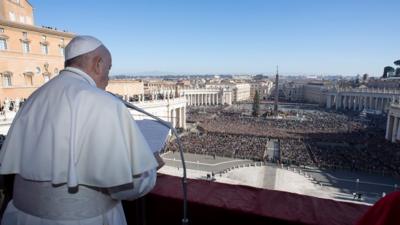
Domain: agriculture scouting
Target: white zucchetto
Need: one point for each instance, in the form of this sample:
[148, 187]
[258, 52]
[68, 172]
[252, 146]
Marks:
[80, 45]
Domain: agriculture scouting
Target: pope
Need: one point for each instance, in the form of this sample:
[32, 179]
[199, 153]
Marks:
[75, 149]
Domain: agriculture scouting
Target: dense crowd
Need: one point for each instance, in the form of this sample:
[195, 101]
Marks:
[295, 152]
[315, 138]
[225, 145]
[292, 127]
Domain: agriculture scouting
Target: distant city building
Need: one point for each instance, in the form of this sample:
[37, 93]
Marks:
[315, 92]
[126, 87]
[306, 91]
[264, 88]
[388, 83]
[30, 55]
[152, 85]
[240, 91]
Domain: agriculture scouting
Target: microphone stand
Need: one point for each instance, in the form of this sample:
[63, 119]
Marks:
[185, 219]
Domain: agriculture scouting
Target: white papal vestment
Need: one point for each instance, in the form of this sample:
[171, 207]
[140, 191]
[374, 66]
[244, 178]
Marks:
[71, 135]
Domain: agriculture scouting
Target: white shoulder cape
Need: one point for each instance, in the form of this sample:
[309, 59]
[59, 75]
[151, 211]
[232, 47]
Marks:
[69, 131]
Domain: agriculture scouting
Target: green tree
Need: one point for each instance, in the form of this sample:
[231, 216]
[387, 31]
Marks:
[256, 104]
[386, 70]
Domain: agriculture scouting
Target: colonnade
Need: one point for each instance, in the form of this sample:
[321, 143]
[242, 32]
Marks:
[378, 100]
[203, 99]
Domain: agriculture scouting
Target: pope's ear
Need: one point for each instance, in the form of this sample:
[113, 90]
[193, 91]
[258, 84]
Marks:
[97, 64]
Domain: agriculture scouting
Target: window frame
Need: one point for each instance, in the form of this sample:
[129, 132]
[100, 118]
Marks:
[5, 44]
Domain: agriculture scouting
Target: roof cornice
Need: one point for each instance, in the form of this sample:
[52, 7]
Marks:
[36, 29]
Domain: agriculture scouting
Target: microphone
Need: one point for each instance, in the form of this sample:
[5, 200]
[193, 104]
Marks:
[185, 219]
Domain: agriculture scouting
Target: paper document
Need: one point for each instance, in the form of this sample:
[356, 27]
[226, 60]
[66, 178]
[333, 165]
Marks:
[155, 133]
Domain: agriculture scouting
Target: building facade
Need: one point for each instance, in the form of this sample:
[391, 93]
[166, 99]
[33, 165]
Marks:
[172, 110]
[240, 91]
[207, 96]
[126, 88]
[263, 87]
[315, 93]
[357, 99]
[29, 55]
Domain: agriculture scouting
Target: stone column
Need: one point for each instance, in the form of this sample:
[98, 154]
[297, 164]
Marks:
[183, 117]
[338, 102]
[200, 99]
[389, 127]
[328, 102]
[395, 129]
[377, 103]
[355, 104]
[174, 113]
[171, 116]
[397, 138]
[362, 102]
[345, 102]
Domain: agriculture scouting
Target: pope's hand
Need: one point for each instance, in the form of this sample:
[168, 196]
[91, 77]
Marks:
[160, 161]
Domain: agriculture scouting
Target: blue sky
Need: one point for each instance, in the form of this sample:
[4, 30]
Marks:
[236, 36]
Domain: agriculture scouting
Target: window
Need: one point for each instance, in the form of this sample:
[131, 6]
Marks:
[62, 50]
[12, 16]
[25, 47]
[22, 19]
[38, 70]
[44, 38]
[3, 44]
[25, 35]
[1, 30]
[45, 49]
[28, 80]
[6, 80]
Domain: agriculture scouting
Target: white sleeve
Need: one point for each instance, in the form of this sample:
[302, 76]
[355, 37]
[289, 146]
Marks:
[139, 187]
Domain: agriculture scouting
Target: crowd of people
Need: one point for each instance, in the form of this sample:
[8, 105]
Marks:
[294, 151]
[314, 138]
[293, 127]
[225, 145]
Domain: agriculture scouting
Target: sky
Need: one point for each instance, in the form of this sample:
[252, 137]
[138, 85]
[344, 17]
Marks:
[311, 37]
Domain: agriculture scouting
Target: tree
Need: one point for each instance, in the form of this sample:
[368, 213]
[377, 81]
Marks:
[356, 82]
[397, 73]
[397, 63]
[365, 78]
[256, 104]
[386, 70]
